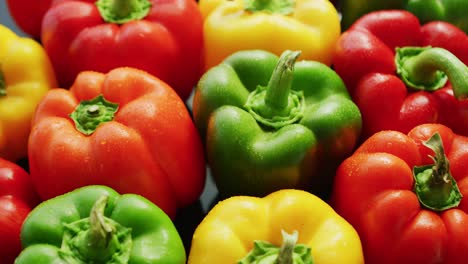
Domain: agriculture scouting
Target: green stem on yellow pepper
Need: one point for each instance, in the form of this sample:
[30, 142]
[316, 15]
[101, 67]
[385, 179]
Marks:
[427, 68]
[122, 11]
[285, 255]
[289, 253]
[284, 7]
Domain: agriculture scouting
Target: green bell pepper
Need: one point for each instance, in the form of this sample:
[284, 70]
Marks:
[94, 224]
[452, 11]
[272, 123]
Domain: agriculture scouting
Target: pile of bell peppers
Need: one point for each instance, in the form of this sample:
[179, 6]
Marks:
[452, 11]
[17, 198]
[405, 195]
[402, 74]
[333, 131]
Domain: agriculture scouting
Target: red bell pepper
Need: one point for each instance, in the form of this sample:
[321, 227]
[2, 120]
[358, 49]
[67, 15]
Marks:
[396, 80]
[406, 196]
[17, 198]
[28, 15]
[162, 37]
[127, 130]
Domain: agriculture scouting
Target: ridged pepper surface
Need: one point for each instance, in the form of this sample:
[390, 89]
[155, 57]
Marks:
[95, 224]
[402, 74]
[17, 199]
[312, 26]
[285, 227]
[26, 75]
[125, 129]
[161, 37]
[28, 15]
[271, 123]
[406, 196]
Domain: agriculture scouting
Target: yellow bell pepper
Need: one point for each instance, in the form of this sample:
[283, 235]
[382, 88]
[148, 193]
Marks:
[287, 221]
[26, 74]
[311, 26]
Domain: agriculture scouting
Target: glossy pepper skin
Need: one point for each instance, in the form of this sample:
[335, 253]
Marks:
[451, 11]
[26, 74]
[95, 224]
[399, 221]
[311, 26]
[17, 198]
[125, 129]
[238, 223]
[28, 15]
[161, 37]
[271, 123]
[397, 80]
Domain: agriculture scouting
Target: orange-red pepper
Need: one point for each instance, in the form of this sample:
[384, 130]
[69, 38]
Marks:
[125, 129]
[406, 196]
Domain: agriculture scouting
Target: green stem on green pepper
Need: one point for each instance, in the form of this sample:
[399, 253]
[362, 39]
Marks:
[277, 105]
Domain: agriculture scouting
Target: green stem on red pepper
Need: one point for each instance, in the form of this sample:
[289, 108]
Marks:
[434, 185]
[96, 239]
[122, 11]
[289, 253]
[427, 68]
[3, 86]
[284, 7]
[89, 114]
[276, 105]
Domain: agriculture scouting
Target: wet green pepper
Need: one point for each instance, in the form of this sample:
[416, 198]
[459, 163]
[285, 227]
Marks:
[94, 224]
[271, 123]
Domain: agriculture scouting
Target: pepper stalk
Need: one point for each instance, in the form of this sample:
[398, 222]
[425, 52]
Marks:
[89, 114]
[284, 7]
[3, 85]
[277, 105]
[428, 68]
[96, 239]
[435, 187]
[123, 11]
[289, 253]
